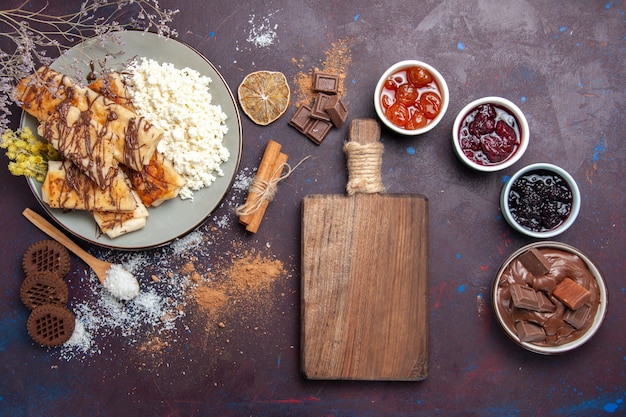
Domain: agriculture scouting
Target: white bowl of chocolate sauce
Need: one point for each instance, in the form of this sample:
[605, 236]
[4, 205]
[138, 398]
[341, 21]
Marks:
[549, 297]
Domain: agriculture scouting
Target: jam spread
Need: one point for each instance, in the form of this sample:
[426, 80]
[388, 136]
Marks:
[540, 200]
[489, 135]
[411, 98]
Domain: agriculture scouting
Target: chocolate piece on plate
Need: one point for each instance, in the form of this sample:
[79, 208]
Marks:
[301, 118]
[336, 110]
[318, 130]
[535, 262]
[571, 293]
[318, 111]
[325, 83]
[578, 318]
[529, 332]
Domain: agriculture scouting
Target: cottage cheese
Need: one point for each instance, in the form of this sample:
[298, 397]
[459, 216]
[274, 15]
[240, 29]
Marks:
[179, 102]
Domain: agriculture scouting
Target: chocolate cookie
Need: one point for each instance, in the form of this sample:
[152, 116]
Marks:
[43, 288]
[51, 325]
[46, 255]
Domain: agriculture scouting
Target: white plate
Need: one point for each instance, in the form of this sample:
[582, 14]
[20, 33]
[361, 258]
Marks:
[176, 217]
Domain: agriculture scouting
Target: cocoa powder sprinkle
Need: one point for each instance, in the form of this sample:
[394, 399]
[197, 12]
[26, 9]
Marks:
[249, 276]
[337, 59]
[209, 299]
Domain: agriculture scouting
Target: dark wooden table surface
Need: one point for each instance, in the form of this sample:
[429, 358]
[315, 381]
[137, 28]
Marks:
[561, 62]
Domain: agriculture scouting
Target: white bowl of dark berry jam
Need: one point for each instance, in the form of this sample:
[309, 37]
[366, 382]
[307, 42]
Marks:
[411, 97]
[540, 200]
[490, 134]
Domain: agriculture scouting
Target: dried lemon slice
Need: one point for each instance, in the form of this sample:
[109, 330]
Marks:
[264, 96]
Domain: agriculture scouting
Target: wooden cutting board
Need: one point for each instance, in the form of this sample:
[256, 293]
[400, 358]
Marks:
[365, 282]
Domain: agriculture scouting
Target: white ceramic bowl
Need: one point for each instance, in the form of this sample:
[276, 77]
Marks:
[575, 204]
[441, 85]
[598, 318]
[520, 120]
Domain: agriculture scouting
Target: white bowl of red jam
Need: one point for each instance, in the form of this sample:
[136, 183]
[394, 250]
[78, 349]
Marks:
[490, 134]
[540, 200]
[411, 97]
[549, 297]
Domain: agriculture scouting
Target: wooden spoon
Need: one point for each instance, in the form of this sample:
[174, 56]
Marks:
[101, 268]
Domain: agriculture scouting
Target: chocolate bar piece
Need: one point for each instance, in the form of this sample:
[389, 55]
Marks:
[318, 130]
[301, 119]
[529, 332]
[336, 110]
[544, 305]
[325, 83]
[524, 297]
[578, 318]
[535, 262]
[318, 111]
[571, 293]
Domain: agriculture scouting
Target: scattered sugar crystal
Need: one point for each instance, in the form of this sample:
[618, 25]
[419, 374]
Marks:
[80, 340]
[222, 221]
[100, 315]
[262, 34]
[243, 180]
[187, 242]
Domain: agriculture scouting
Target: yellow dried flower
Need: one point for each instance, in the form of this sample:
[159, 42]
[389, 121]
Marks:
[28, 155]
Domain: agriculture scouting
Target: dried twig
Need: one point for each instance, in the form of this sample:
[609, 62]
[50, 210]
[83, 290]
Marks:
[33, 38]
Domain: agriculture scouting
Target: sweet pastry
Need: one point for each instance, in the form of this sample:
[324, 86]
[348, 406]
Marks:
[114, 224]
[114, 87]
[157, 181]
[66, 187]
[83, 141]
[134, 138]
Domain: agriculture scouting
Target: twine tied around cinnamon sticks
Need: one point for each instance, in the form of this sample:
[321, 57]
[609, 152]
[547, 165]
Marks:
[364, 167]
[264, 186]
[264, 190]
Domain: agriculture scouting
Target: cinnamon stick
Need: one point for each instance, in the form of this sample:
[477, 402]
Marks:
[269, 169]
[257, 217]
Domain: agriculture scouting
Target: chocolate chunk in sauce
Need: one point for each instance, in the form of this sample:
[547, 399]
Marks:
[529, 332]
[572, 294]
[535, 262]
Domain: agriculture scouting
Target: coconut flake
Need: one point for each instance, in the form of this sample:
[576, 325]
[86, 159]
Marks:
[121, 283]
